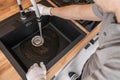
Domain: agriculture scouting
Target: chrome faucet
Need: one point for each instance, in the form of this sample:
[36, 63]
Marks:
[22, 13]
[37, 40]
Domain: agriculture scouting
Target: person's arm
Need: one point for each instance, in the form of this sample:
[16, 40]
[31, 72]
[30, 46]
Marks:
[76, 12]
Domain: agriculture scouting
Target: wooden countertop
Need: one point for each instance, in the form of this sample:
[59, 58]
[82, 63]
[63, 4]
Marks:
[10, 7]
[7, 72]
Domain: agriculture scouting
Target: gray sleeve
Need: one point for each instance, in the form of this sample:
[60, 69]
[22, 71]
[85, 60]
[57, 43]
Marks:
[110, 71]
[97, 11]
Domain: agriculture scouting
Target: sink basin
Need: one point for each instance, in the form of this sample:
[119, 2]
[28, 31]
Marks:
[15, 40]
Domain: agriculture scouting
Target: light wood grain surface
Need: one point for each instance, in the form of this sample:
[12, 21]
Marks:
[10, 7]
[7, 72]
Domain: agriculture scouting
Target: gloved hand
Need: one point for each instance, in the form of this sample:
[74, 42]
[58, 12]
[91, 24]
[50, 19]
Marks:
[36, 72]
[44, 10]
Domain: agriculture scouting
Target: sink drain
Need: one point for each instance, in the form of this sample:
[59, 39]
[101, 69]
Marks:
[37, 41]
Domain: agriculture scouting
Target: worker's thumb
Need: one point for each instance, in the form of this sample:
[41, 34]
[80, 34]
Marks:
[43, 67]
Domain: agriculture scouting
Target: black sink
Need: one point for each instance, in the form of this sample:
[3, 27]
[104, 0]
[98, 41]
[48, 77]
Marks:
[15, 40]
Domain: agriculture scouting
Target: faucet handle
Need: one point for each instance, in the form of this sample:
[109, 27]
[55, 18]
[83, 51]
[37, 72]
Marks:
[35, 7]
[22, 13]
[44, 10]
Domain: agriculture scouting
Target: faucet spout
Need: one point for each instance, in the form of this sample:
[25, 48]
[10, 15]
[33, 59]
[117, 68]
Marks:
[41, 39]
[36, 9]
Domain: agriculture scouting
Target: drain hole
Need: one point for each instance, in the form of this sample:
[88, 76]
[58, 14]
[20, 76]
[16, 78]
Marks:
[37, 41]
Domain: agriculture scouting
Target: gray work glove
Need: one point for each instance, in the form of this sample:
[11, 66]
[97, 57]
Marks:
[36, 72]
[44, 10]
